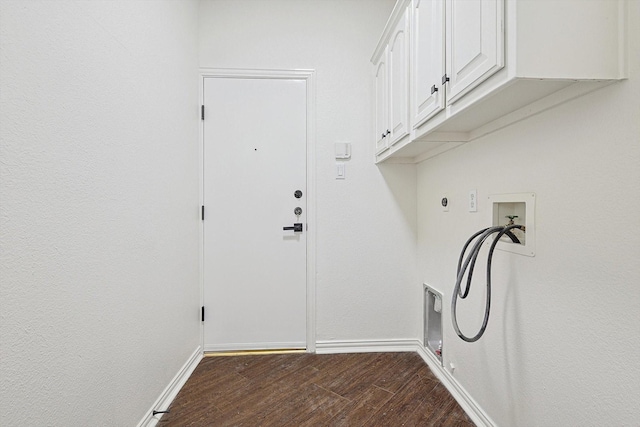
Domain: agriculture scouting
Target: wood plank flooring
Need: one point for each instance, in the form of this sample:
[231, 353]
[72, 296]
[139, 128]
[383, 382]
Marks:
[362, 389]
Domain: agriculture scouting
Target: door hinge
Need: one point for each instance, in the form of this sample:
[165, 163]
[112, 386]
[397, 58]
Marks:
[202, 314]
[202, 213]
[445, 79]
[202, 112]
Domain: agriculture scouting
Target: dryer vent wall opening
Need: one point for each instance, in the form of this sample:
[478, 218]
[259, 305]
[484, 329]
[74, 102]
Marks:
[433, 321]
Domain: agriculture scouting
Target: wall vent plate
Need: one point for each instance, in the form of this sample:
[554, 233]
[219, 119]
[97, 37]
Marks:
[433, 322]
[520, 207]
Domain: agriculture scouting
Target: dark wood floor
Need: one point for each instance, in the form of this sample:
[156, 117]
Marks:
[364, 389]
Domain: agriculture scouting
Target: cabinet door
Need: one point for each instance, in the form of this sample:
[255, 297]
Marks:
[382, 104]
[475, 43]
[398, 55]
[428, 62]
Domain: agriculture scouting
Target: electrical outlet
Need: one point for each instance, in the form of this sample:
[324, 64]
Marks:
[473, 200]
[444, 203]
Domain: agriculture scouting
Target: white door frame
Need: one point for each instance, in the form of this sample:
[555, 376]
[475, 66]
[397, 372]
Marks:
[309, 77]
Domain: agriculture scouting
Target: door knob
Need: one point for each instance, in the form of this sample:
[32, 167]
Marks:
[297, 227]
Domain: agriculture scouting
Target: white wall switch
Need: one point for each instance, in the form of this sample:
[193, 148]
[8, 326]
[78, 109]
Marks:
[340, 170]
[343, 150]
[473, 200]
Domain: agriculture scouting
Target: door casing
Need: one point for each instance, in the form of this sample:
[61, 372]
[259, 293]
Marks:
[309, 77]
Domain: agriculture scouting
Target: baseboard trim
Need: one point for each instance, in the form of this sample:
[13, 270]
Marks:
[287, 345]
[466, 402]
[171, 391]
[363, 346]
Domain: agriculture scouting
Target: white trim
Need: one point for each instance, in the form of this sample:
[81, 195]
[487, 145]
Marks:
[239, 73]
[311, 211]
[201, 202]
[171, 391]
[364, 346]
[437, 150]
[623, 40]
[455, 139]
[309, 77]
[466, 402]
[539, 106]
[253, 346]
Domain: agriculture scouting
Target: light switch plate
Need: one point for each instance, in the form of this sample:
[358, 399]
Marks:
[343, 150]
[473, 200]
[340, 169]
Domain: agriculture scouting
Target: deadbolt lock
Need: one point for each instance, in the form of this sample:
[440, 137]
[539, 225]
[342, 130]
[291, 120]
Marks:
[298, 211]
[297, 194]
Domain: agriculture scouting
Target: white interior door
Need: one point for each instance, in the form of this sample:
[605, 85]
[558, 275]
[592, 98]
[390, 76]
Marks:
[254, 163]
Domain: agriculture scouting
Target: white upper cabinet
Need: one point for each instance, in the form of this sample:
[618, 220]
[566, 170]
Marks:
[428, 60]
[399, 79]
[479, 65]
[391, 75]
[474, 43]
[382, 109]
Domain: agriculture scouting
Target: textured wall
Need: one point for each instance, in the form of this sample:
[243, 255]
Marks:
[366, 282]
[562, 345]
[98, 207]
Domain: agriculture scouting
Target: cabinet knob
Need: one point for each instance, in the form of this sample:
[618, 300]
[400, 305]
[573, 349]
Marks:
[383, 135]
[388, 132]
[434, 89]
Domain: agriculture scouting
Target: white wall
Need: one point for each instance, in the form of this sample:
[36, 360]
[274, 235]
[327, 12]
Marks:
[562, 346]
[366, 230]
[99, 219]
[99, 226]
